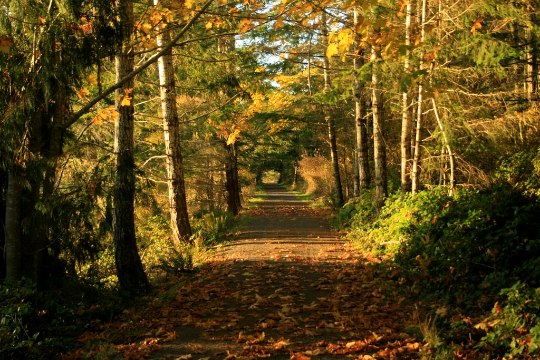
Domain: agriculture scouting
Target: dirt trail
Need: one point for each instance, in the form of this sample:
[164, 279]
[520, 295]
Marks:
[288, 288]
[283, 227]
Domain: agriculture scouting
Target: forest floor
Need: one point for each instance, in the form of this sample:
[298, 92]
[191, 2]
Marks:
[287, 287]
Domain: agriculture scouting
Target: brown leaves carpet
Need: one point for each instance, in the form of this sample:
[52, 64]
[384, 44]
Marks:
[289, 288]
[286, 288]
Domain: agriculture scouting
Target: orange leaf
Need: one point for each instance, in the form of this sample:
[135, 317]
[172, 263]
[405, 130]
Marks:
[83, 92]
[126, 100]
[299, 356]
[477, 25]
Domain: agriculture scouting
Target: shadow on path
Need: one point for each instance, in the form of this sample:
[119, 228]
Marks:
[288, 288]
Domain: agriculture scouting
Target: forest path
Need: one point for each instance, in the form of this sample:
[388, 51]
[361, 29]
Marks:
[287, 288]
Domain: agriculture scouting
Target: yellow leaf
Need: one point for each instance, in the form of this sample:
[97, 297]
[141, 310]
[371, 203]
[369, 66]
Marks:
[150, 44]
[189, 3]
[332, 50]
[279, 23]
[482, 326]
[126, 101]
[208, 25]
[98, 120]
[231, 139]
[184, 357]
[115, 115]
[83, 92]
[146, 27]
[92, 79]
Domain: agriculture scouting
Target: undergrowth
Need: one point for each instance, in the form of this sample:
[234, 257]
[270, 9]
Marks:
[469, 253]
[43, 324]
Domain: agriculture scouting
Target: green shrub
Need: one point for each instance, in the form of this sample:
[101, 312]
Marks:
[513, 331]
[521, 171]
[398, 220]
[177, 261]
[212, 226]
[16, 311]
[474, 244]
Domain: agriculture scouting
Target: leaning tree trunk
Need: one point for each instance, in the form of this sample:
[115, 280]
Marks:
[181, 229]
[338, 191]
[406, 123]
[129, 267]
[13, 245]
[379, 150]
[362, 175]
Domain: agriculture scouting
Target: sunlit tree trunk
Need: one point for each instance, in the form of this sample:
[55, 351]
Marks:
[415, 177]
[379, 150]
[362, 175]
[405, 111]
[338, 191]
[180, 226]
[129, 267]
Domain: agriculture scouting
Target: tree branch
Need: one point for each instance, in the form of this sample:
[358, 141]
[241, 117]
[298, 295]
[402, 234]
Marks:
[135, 72]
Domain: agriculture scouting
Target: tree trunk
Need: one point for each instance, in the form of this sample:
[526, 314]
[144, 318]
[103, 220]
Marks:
[406, 117]
[129, 267]
[338, 191]
[415, 177]
[362, 175]
[379, 150]
[13, 245]
[446, 144]
[231, 179]
[181, 229]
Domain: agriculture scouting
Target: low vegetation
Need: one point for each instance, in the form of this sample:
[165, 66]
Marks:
[472, 256]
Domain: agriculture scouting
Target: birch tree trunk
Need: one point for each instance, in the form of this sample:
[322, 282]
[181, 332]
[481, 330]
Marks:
[362, 175]
[379, 150]
[129, 269]
[419, 112]
[338, 191]
[180, 226]
[406, 116]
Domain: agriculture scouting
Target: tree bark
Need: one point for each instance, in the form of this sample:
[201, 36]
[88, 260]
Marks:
[362, 175]
[446, 144]
[180, 226]
[415, 177]
[231, 179]
[130, 272]
[338, 191]
[406, 116]
[13, 245]
[379, 149]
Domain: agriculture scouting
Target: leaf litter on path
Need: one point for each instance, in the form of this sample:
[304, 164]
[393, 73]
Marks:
[302, 296]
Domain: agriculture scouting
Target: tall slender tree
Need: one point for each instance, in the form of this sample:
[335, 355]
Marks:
[379, 146]
[130, 272]
[338, 190]
[362, 174]
[180, 226]
[406, 123]
[417, 157]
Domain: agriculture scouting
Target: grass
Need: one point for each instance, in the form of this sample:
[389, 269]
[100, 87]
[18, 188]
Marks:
[257, 198]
